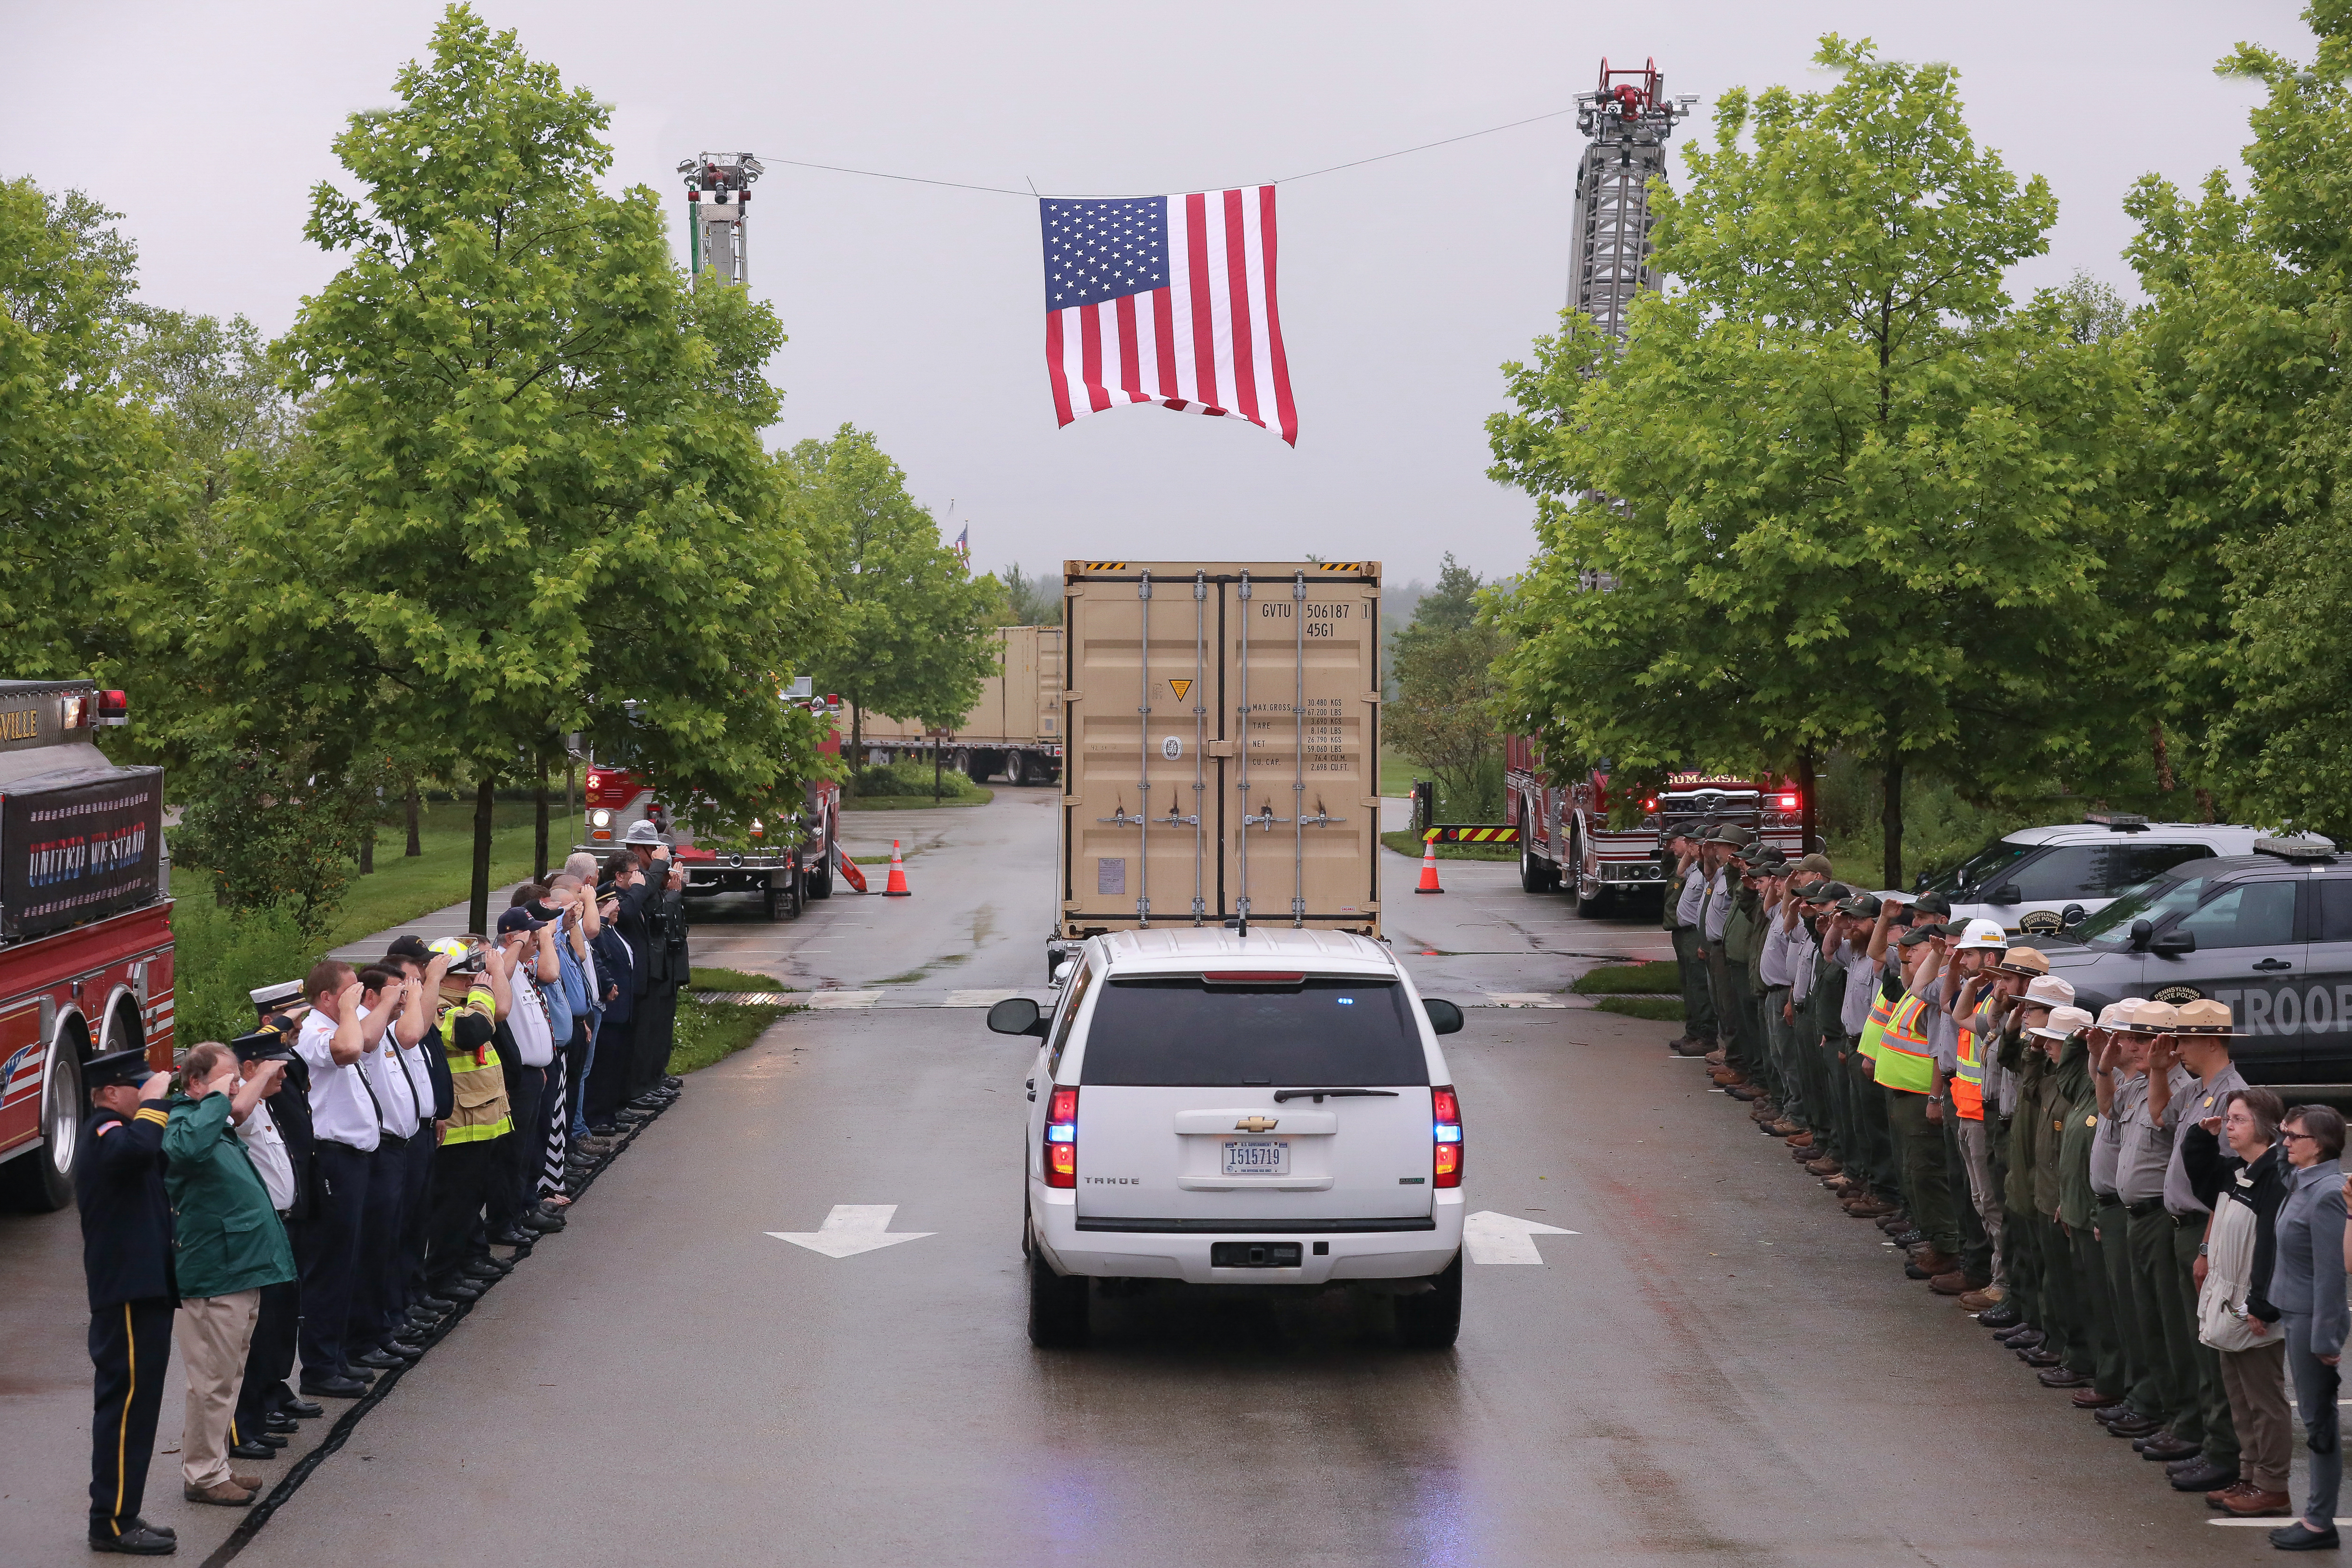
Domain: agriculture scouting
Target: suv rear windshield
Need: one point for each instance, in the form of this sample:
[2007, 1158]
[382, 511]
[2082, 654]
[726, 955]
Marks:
[1182, 1032]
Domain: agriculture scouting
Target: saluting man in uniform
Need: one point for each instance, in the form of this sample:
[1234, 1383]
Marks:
[126, 1255]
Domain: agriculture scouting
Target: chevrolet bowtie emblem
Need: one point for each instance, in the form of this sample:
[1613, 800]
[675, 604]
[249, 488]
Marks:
[1258, 1124]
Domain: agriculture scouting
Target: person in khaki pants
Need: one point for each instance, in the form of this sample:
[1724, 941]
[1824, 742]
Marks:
[228, 1244]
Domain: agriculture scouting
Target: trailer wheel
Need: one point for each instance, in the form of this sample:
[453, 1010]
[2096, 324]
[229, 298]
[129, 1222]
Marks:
[42, 1180]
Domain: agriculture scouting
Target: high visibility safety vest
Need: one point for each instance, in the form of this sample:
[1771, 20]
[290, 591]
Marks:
[1874, 1032]
[1968, 1083]
[1905, 1062]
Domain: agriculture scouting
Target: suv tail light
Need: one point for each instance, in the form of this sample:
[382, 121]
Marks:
[1062, 1138]
[1446, 1110]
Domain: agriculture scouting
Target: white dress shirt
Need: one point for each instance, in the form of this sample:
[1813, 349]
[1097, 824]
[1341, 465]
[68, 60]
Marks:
[342, 1104]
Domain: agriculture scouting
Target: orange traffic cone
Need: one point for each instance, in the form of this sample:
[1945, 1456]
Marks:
[849, 871]
[897, 888]
[1428, 868]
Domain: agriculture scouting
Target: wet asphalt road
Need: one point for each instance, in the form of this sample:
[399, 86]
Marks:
[1719, 1363]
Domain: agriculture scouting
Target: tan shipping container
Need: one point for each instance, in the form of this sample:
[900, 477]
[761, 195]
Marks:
[1222, 726]
[1021, 705]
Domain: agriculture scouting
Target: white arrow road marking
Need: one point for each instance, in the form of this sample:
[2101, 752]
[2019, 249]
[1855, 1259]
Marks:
[1492, 1238]
[853, 1228]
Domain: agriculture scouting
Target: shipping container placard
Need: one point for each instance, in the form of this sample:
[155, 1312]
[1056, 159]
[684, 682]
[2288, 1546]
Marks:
[79, 851]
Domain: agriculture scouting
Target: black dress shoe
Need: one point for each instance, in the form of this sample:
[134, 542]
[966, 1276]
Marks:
[381, 1360]
[334, 1388]
[406, 1349]
[275, 1439]
[2039, 1358]
[2204, 1476]
[2024, 1337]
[303, 1410]
[2059, 1377]
[435, 1304]
[2301, 1537]
[165, 1530]
[673, 1082]
[136, 1541]
[1910, 1238]
[461, 1289]
[491, 1267]
[515, 1235]
[601, 1129]
[2005, 1316]
[279, 1421]
[2163, 1448]
[251, 1448]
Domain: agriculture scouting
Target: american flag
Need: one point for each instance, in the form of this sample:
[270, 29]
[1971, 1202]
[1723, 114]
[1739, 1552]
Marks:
[1166, 299]
[963, 542]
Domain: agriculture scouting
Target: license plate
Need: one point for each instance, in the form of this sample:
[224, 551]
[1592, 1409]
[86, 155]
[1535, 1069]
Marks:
[1257, 1156]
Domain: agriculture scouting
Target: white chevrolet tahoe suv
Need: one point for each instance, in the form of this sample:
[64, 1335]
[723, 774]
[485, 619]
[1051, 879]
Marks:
[1268, 1110]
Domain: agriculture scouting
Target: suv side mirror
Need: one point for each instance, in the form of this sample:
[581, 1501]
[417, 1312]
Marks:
[2173, 943]
[1017, 1015]
[1444, 1017]
[2007, 893]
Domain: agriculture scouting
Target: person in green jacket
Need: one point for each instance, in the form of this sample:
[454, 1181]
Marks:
[228, 1245]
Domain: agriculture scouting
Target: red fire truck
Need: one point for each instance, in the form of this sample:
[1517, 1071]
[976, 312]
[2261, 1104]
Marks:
[84, 924]
[1566, 842]
[794, 862]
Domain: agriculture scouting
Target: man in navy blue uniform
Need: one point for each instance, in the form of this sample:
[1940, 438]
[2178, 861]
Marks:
[126, 1254]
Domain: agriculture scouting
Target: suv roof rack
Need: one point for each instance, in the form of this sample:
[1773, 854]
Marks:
[2118, 821]
[2311, 849]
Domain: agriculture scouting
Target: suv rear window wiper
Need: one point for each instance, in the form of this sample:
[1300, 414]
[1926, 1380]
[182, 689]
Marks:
[1280, 1095]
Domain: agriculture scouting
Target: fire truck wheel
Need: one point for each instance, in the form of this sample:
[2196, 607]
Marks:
[41, 1179]
[820, 883]
[1536, 875]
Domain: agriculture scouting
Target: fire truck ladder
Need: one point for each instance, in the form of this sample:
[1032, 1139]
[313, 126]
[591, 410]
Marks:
[1629, 119]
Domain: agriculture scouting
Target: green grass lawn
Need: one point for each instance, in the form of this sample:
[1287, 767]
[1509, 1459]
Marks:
[1655, 979]
[710, 1032]
[1410, 845]
[1397, 772]
[911, 802]
[1667, 1009]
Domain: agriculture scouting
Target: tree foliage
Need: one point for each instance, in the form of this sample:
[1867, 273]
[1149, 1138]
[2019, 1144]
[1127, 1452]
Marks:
[530, 497]
[85, 481]
[2252, 305]
[908, 624]
[1443, 715]
[1838, 490]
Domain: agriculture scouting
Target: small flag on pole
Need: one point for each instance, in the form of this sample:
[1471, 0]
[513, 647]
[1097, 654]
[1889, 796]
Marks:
[1167, 300]
[963, 542]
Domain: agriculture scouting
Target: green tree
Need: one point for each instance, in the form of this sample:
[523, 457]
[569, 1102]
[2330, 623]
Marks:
[531, 496]
[2253, 305]
[1030, 601]
[85, 495]
[1835, 490]
[910, 625]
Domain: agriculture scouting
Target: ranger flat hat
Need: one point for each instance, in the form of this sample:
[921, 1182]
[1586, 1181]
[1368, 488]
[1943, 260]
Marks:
[2062, 1022]
[2207, 1017]
[2114, 1015]
[116, 1068]
[2050, 991]
[2027, 960]
[2152, 1017]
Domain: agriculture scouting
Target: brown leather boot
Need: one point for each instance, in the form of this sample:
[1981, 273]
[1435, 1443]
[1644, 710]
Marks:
[1869, 1207]
[1825, 1166]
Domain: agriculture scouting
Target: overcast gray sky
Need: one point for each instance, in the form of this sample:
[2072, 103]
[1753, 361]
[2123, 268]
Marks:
[914, 311]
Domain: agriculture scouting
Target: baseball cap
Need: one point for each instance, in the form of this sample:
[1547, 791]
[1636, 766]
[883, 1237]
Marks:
[1932, 903]
[1861, 906]
[1828, 892]
[1918, 934]
[519, 919]
[1816, 864]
